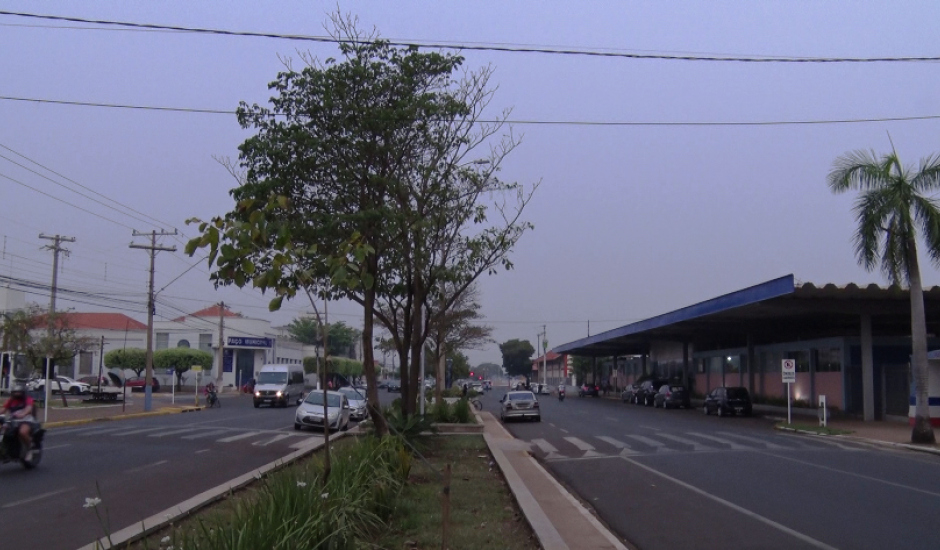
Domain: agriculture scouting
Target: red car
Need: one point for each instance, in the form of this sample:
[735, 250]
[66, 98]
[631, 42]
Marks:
[138, 384]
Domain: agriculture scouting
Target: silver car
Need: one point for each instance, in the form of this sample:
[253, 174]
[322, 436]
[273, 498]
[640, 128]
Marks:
[357, 403]
[310, 411]
[520, 404]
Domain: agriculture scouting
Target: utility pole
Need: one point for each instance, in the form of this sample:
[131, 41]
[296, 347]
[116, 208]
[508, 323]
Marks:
[153, 248]
[544, 355]
[55, 248]
[221, 345]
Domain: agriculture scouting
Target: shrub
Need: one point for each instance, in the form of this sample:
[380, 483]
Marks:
[441, 412]
[462, 411]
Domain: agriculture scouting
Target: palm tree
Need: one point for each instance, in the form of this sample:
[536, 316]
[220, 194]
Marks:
[894, 203]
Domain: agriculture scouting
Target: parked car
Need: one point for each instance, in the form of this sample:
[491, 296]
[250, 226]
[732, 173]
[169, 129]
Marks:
[728, 400]
[69, 385]
[589, 389]
[393, 385]
[647, 391]
[520, 404]
[671, 395]
[138, 384]
[357, 403]
[381, 385]
[310, 411]
[628, 395]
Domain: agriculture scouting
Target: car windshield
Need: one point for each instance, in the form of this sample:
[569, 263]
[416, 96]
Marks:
[737, 393]
[316, 398]
[272, 378]
[522, 396]
[352, 393]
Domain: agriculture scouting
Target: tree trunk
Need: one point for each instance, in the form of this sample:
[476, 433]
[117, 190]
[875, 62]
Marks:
[922, 431]
[368, 365]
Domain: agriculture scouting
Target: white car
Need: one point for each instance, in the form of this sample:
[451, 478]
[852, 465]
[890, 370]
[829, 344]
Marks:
[69, 385]
[357, 402]
[310, 411]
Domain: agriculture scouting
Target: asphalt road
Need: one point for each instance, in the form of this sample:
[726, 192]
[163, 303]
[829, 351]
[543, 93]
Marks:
[138, 468]
[676, 479]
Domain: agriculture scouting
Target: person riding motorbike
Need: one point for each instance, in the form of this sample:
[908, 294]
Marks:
[20, 407]
[211, 395]
[561, 392]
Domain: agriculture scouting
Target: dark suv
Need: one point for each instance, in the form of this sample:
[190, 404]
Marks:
[588, 389]
[671, 395]
[725, 401]
[647, 391]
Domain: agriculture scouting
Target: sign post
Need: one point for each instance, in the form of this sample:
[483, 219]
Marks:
[198, 371]
[171, 372]
[789, 377]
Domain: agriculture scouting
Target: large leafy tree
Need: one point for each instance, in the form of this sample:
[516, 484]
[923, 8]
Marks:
[181, 360]
[134, 359]
[894, 209]
[342, 338]
[517, 357]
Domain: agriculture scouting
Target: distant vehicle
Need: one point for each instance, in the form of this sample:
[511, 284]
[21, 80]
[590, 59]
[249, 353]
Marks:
[69, 385]
[477, 387]
[629, 394]
[310, 412]
[393, 385]
[357, 402]
[647, 391]
[671, 395]
[520, 404]
[276, 383]
[728, 401]
[487, 385]
[589, 389]
[541, 389]
[140, 382]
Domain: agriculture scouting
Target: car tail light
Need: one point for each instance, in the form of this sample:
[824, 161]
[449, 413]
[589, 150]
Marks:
[597, 388]
[535, 405]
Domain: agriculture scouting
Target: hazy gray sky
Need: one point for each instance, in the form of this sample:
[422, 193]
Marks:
[630, 221]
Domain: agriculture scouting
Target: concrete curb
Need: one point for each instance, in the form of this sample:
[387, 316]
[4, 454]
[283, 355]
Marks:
[162, 519]
[857, 439]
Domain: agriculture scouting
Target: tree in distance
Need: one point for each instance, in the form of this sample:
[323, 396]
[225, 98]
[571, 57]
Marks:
[895, 202]
[134, 359]
[517, 357]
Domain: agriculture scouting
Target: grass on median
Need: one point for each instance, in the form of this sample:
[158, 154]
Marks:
[813, 428]
[269, 513]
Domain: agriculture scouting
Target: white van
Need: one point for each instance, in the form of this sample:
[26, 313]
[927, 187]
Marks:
[279, 385]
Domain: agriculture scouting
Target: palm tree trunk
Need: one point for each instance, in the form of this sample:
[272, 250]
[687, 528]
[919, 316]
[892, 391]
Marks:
[922, 431]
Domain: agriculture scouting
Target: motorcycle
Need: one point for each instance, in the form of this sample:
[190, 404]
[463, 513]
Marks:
[212, 399]
[11, 448]
[561, 395]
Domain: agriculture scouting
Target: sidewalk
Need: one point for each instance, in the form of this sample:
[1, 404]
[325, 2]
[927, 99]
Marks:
[81, 413]
[559, 521]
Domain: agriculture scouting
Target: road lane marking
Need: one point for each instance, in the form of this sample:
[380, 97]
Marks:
[853, 474]
[132, 432]
[734, 446]
[237, 437]
[588, 449]
[202, 451]
[547, 448]
[757, 441]
[624, 448]
[38, 497]
[805, 538]
[563, 430]
[658, 445]
[696, 446]
[307, 442]
[274, 439]
[210, 433]
[611, 418]
[145, 466]
[56, 446]
[104, 431]
[172, 432]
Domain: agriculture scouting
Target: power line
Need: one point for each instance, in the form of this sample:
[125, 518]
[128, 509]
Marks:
[21, 155]
[493, 48]
[524, 122]
[64, 201]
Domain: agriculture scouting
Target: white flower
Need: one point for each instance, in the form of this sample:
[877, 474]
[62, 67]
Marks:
[324, 495]
[301, 483]
[165, 539]
[92, 502]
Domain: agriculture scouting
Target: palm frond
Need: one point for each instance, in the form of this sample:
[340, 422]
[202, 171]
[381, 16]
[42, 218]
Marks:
[927, 213]
[927, 178]
[894, 254]
[872, 210]
[857, 170]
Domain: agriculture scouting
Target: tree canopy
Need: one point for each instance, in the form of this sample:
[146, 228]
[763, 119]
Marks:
[342, 338]
[182, 360]
[517, 357]
[134, 359]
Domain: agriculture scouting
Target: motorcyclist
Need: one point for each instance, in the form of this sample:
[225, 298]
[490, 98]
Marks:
[210, 392]
[20, 407]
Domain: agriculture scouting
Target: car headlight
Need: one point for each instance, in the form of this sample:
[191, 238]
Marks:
[278, 394]
[257, 394]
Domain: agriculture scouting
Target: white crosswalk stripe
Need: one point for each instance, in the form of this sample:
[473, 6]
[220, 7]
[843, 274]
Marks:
[696, 446]
[237, 437]
[103, 431]
[734, 446]
[135, 432]
[307, 442]
[624, 448]
[756, 441]
[274, 439]
[171, 432]
[658, 445]
[204, 434]
[584, 446]
[547, 448]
